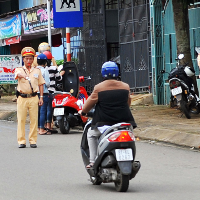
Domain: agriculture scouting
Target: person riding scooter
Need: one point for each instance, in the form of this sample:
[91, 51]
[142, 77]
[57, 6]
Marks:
[111, 99]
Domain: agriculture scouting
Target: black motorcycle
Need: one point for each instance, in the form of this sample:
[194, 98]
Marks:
[182, 89]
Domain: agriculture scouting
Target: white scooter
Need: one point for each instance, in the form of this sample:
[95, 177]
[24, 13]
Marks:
[115, 161]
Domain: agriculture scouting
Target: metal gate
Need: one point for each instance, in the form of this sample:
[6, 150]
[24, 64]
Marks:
[134, 44]
[88, 43]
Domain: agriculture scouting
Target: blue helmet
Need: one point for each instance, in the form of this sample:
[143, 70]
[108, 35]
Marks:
[110, 69]
[41, 57]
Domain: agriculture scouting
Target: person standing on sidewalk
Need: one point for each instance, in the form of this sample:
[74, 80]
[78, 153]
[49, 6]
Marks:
[30, 80]
[54, 76]
[42, 63]
[44, 46]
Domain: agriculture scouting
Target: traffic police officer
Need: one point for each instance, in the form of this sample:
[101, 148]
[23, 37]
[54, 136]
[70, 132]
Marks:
[30, 80]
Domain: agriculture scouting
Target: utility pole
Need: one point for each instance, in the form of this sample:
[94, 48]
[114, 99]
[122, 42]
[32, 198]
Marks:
[49, 21]
[68, 44]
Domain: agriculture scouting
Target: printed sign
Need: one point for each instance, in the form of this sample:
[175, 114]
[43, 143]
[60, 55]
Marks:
[8, 63]
[10, 27]
[35, 20]
[12, 40]
[67, 5]
[67, 13]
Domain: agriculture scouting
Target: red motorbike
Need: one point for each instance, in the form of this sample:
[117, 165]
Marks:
[66, 107]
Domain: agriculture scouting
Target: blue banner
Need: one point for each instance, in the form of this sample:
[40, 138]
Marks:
[10, 27]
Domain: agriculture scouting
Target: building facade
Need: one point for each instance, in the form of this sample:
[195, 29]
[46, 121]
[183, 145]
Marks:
[113, 30]
[164, 47]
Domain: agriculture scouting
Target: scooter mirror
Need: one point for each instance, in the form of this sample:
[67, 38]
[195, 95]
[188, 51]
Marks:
[180, 56]
[162, 71]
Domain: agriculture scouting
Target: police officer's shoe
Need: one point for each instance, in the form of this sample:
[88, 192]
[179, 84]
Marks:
[22, 146]
[33, 145]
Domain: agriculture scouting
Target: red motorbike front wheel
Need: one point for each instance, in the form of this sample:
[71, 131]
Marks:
[64, 125]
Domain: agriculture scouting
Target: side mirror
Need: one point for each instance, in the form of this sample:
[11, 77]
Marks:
[180, 56]
[162, 71]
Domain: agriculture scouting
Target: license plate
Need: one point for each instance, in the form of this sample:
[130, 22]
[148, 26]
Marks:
[58, 111]
[176, 91]
[123, 154]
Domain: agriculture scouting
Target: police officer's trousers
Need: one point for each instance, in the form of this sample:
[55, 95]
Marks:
[24, 105]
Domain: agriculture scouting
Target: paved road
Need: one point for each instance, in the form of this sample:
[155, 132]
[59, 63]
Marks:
[55, 171]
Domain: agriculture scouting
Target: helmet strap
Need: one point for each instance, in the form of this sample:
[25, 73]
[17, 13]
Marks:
[110, 78]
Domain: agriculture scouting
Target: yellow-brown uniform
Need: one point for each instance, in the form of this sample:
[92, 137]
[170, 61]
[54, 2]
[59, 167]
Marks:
[29, 103]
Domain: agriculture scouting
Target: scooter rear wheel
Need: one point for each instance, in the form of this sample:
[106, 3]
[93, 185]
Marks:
[185, 109]
[123, 183]
[64, 125]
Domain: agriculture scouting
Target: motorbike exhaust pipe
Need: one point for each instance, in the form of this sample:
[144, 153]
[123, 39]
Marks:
[190, 97]
[135, 169]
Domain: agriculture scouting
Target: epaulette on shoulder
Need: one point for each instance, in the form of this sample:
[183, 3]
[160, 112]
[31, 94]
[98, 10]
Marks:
[37, 68]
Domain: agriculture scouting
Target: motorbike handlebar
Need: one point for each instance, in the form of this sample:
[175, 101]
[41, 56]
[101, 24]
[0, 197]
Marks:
[82, 78]
[91, 113]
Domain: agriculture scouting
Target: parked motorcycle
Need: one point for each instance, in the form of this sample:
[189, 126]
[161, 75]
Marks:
[66, 107]
[182, 89]
[115, 161]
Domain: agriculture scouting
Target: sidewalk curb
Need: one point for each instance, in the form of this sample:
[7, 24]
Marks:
[8, 115]
[169, 136]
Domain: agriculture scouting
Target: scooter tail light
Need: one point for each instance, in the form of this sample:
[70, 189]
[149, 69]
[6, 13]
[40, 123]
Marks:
[174, 84]
[125, 124]
[114, 137]
[122, 136]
